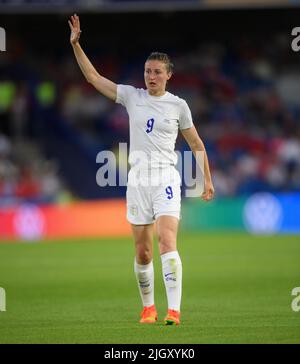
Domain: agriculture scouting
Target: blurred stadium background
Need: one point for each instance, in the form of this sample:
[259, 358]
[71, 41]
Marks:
[235, 67]
[233, 64]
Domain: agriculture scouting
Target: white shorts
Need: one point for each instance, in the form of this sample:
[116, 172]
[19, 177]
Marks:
[154, 196]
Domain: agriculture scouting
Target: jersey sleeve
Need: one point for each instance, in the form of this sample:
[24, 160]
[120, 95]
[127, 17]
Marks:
[124, 92]
[185, 116]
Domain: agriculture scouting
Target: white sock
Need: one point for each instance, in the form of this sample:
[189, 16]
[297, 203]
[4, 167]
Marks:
[145, 280]
[172, 274]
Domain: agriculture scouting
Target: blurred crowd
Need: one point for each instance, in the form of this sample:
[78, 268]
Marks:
[244, 99]
[26, 176]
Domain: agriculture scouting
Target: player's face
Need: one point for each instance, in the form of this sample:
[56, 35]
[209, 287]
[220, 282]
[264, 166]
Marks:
[156, 77]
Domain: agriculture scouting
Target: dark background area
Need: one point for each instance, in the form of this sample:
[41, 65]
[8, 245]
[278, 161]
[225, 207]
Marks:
[133, 32]
[38, 50]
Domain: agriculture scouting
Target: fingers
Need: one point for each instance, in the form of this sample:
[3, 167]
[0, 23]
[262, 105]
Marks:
[206, 198]
[71, 26]
[75, 21]
[207, 195]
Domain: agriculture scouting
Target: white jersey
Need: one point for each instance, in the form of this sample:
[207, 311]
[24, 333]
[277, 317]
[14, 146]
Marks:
[153, 122]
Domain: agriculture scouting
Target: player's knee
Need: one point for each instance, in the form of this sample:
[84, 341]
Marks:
[144, 255]
[167, 241]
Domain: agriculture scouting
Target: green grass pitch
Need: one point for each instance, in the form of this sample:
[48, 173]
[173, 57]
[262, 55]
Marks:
[236, 289]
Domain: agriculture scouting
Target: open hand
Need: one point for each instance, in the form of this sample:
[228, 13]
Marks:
[75, 29]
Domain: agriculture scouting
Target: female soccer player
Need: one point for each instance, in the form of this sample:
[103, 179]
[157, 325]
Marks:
[155, 116]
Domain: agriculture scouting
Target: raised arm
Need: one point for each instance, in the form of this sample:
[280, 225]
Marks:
[102, 84]
[197, 145]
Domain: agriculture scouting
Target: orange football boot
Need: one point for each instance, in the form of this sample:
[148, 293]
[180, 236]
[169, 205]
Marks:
[149, 315]
[172, 318]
